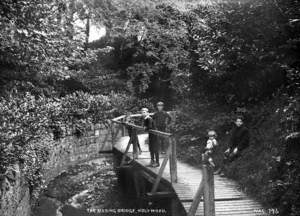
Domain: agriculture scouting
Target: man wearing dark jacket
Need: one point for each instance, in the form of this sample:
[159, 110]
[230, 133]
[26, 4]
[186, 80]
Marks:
[238, 142]
[239, 139]
[148, 124]
[161, 119]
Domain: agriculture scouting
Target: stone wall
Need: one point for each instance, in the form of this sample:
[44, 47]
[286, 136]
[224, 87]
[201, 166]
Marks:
[71, 149]
[15, 199]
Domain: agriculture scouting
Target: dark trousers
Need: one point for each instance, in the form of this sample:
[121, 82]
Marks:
[154, 156]
[135, 143]
[162, 142]
[134, 140]
[229, 158]
[153, 148]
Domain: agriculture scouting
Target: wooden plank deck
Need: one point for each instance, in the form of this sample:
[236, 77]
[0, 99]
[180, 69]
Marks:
[229, 201]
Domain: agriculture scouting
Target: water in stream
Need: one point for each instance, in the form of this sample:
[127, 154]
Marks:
[87, 189]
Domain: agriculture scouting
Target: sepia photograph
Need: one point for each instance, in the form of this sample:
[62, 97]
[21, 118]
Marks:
[149, 108]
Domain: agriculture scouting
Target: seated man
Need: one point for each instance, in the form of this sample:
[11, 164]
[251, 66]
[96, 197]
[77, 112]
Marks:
[238, 142]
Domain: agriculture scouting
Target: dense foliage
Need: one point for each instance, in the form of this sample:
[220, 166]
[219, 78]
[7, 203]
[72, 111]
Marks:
[245, 52]
[30, 123]
[209, 61]
[245, 60]
[237, 53]
[38, 41]
[148, 48]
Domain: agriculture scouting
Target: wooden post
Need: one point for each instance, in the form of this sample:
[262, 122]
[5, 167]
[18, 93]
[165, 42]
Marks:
[123, 127]
[161, 170]
[173, 160]
[125, 153]
[196, 200]
[208, 184]
[206, 191]
[112, 130]
[211, 190]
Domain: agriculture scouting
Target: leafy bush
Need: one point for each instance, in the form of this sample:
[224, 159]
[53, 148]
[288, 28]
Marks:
[269, 169]
[38, 39]
[244, 52]
[28, 124]
[24, 121]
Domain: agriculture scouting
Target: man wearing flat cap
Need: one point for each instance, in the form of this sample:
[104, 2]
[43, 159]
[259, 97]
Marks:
[153, 144]
[162, 120]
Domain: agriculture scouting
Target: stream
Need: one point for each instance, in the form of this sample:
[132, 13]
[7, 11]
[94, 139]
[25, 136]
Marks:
[85, 189]
[88, 189]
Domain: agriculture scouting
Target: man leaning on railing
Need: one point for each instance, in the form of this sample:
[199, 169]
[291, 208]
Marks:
[162, 120]
[148, 124]
[133, 137]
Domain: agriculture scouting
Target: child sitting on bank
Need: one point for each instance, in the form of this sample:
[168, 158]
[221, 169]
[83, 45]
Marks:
[210, 147]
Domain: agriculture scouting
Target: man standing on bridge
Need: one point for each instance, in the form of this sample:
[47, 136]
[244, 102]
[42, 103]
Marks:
[162, 120]
[133, 136]
[153, 144]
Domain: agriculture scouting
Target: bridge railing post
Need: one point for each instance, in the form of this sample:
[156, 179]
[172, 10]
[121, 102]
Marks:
[205, 190]
[125, 153]
[161, 170]
[196, 199]
[173, 160]
[171, 152]
[113, 132]
[212, 191]
[208, 190]
[123, 127]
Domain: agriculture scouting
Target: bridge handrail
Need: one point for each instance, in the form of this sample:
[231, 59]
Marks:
[205, 190]
[206, 187]
[156, 132]
[170, 154]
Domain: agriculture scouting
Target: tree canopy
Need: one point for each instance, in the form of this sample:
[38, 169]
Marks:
[206, 59]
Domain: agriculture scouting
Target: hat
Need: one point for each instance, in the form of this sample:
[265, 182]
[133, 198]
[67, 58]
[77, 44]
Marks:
[144, 109]
[239, 117]
[160, 103]
[212, 133]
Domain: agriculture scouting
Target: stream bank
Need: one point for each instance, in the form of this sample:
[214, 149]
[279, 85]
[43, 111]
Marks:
[82, 187]
[89, 189]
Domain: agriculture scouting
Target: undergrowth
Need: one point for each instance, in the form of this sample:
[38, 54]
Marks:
[269, 169]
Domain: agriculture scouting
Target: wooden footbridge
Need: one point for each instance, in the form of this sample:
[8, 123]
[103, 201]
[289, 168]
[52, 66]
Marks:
[197, 191]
